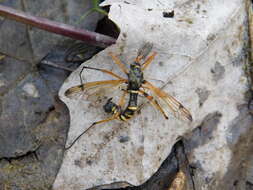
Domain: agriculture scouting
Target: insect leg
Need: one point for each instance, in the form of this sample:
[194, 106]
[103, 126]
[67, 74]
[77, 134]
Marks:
[118, 62]
[93, 124]
[153, 102]
[148, 61]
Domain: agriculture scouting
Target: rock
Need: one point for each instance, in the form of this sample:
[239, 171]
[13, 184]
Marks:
[32, 44]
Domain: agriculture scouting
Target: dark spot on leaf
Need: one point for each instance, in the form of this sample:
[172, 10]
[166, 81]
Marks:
[203, 94]
[107, 137]
[237, 61]
[38, 112]
[160, 63]
[240, 125]
[168, 14]
[211, 37]
[89, 162]
[77, 163]
[123, 139]
[218, 71]
[204, 133]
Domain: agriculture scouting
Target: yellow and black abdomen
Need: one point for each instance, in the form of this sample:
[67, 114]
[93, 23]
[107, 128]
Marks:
[132, 106]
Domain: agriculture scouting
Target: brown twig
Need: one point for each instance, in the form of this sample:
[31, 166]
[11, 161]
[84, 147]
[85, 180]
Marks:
[92, 38]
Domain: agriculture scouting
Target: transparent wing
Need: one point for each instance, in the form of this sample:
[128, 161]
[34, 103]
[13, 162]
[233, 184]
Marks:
[95, 90]
[167, 102]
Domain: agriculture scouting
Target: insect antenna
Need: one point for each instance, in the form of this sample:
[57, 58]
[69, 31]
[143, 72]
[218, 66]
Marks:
[86, 67]
[80, 136]
[101, 70]
[92, 125]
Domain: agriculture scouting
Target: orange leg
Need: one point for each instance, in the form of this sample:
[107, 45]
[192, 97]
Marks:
[148, 61]
[118, 62]
[153, 102]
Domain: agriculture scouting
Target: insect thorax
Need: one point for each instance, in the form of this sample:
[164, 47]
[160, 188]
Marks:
[135, 76]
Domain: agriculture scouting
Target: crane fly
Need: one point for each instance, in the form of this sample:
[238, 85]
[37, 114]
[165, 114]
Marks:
[136, 85]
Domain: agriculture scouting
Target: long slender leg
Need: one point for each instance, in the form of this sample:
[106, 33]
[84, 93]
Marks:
[153, 102]
[148, 61]
[118, 62]
[93, 124]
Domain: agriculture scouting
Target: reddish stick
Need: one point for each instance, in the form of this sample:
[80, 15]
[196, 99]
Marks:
[92, 38]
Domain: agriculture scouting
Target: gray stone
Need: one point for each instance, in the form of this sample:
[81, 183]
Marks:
[68, 12]
[13, 35]
[21, 113]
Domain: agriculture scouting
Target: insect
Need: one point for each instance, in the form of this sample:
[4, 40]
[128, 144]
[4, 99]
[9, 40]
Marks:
[136, 85]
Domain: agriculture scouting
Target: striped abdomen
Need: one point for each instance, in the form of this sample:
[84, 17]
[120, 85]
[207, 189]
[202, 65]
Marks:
[132, 106]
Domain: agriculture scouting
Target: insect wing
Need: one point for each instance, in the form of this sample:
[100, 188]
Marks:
[168, 103]
[145, 50]
[92, 89]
